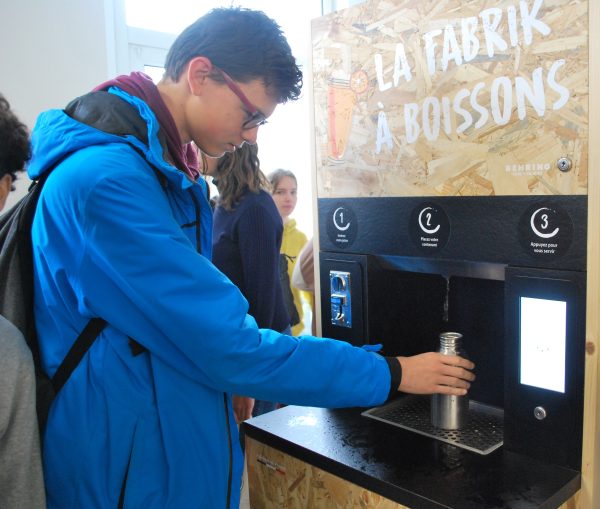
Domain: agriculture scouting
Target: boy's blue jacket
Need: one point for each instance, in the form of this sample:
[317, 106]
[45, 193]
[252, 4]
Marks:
[155, 430]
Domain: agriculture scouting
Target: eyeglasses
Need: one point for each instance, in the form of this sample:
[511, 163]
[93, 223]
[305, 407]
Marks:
[256, 118]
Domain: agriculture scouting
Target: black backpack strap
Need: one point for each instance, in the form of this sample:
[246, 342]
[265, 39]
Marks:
[111, 114]
[82, 344]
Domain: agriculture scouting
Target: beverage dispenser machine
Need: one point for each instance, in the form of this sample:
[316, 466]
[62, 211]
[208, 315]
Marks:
[451, 147]
[456, 199]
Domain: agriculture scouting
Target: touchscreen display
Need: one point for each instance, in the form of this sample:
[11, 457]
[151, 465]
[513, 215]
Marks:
[543, 343]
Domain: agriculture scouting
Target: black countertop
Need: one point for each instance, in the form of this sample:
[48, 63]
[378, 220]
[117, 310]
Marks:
[408, 468]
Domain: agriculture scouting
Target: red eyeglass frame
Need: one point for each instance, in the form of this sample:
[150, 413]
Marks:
[257, 118]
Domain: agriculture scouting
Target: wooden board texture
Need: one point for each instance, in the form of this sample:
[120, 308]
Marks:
[279, 481]
[451, 98]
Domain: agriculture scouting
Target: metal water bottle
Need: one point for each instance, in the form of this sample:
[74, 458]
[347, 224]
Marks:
[450, 412]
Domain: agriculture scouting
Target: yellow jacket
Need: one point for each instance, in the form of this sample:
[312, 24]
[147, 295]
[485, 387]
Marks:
[291, 245]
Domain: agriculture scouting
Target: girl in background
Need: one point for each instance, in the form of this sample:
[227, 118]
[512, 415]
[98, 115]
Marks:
[247, 233]
[284, 188]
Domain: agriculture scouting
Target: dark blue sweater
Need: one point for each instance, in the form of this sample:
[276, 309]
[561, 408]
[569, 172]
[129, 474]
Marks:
[246, 245]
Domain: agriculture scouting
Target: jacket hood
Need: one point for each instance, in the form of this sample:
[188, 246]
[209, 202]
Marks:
[95, 119]
[56, 135]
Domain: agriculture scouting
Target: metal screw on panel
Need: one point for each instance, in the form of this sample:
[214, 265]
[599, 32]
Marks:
[539, 413]
[564, 164]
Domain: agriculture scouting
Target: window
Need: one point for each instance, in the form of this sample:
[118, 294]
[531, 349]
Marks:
[148, 28]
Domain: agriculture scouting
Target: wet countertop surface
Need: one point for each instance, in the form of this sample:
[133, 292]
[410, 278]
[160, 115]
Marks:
[408, 468]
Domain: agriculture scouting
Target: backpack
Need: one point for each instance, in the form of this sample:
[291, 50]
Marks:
[16, 251]
[16, 298]
[286, 289]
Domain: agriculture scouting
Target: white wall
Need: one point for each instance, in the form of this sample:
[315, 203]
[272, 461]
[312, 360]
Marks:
[50, 52]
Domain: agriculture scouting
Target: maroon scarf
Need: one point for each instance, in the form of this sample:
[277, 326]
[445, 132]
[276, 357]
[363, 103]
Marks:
[138, 84]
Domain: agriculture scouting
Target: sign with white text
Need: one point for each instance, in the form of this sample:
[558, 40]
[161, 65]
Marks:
[451, 98]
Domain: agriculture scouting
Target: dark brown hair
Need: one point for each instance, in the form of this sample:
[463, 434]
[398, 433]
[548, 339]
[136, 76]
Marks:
[237, 173]
[14, 142]
[246, 44]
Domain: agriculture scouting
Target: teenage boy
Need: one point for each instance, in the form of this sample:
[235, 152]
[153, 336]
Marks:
[122, 232]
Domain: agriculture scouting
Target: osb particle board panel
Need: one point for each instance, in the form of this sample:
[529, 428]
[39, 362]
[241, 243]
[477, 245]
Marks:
[279, 481]
[451, 98]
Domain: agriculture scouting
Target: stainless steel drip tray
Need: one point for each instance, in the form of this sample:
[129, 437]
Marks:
[483, 434]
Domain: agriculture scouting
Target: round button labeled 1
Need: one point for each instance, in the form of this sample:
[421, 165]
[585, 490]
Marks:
[342, 226]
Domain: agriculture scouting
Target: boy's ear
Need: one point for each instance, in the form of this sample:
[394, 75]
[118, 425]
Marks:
[198, 70]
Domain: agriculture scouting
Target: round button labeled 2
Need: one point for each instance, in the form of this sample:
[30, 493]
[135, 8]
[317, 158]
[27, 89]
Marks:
[429, 227]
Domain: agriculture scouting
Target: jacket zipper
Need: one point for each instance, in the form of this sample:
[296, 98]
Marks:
[229, 442]
[124, 484]
[230, 474]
